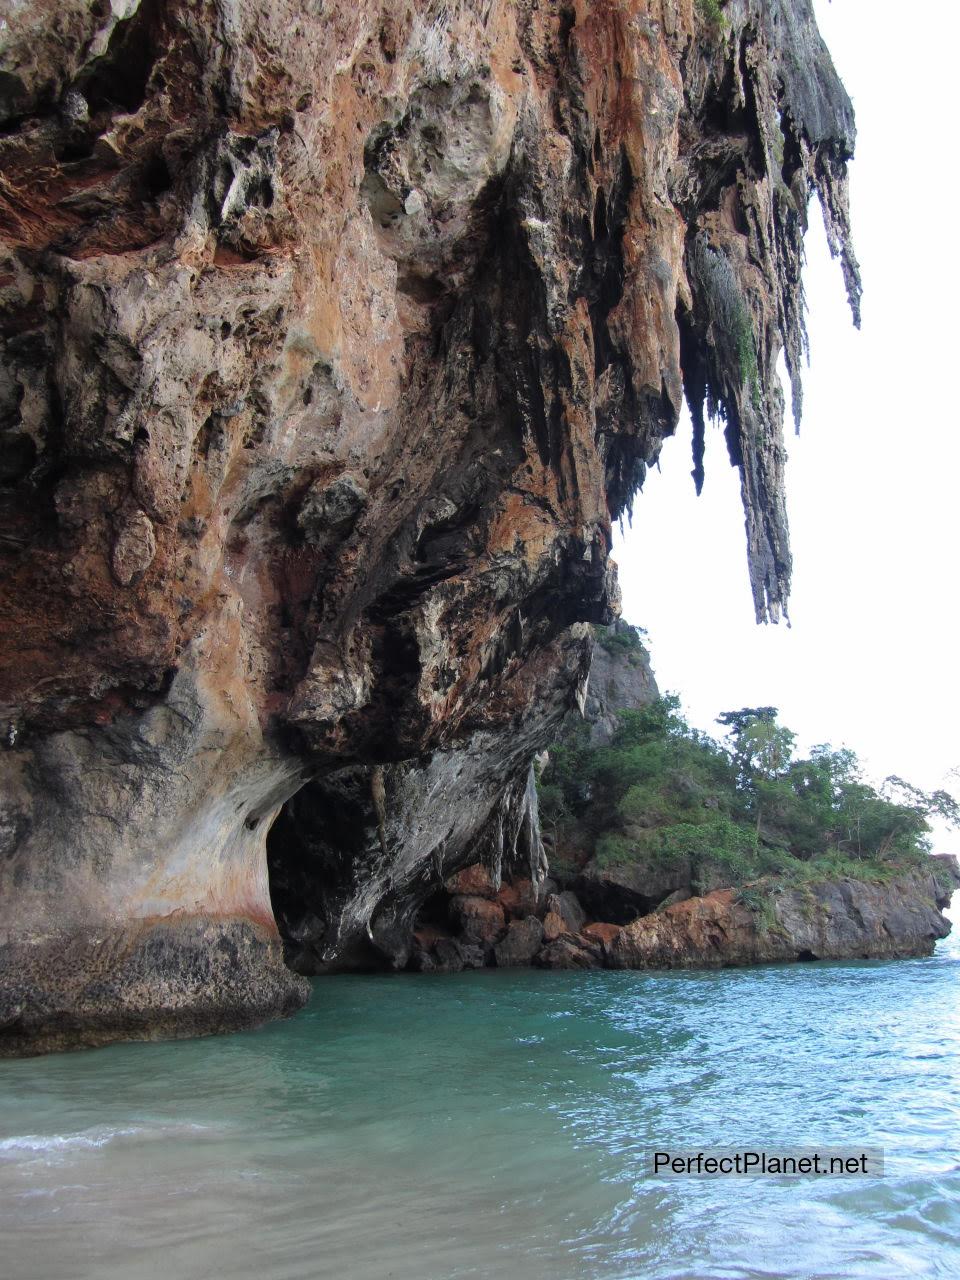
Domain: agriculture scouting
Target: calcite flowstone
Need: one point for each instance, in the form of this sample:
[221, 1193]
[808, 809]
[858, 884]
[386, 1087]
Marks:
[334, 338]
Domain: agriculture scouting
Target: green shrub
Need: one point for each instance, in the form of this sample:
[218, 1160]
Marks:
[711, 12]
[621, 639]
[943, 877]
[758, 899]
[614, 850]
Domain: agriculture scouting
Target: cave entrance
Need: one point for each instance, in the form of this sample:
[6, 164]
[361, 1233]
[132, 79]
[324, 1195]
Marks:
[314, 839]
[322, 846]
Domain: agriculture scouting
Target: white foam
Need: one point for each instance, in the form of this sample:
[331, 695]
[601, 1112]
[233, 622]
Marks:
[87, 1139]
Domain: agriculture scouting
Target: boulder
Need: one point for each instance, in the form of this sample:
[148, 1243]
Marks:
[509, 899]
[519, 899]
[520, 944]
[566, 953]
[568, 908]
[601, 933]
[422, 961]
[477, 920]
[448, 955]
[434, 951]
[472, 955]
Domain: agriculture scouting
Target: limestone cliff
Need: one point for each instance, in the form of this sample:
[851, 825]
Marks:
[334, 338]
[621, 679]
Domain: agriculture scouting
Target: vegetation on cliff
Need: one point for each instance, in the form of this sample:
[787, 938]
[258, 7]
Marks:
[664, 795]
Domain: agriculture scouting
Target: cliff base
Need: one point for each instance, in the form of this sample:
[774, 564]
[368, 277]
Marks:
[152, 980]
[844, 919]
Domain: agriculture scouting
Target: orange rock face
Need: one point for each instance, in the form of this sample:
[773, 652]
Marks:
[519, 898]
[599, 932]
[553, 926]
[475, 881]
[331, 348]
[478, 920]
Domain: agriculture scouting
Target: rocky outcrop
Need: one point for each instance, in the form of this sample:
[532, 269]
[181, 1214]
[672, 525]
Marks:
[334, 338]
[762, 923]
[840, 919]
[190, 976]
[620, 893]
[621, 678]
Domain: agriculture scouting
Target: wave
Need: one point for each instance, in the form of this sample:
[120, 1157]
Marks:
[89, 1139]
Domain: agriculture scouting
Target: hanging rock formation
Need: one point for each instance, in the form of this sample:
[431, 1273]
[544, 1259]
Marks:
[334, 338]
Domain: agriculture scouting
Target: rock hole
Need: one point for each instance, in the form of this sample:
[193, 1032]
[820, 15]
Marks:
[117, 81]
[205, 436]
[600, 228]
[568, 20]
[156, 176]
[73, 150]
[18, 453]
[322, 837]
[388, 42]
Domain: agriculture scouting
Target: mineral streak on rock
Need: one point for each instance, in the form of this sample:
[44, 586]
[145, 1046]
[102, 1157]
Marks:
[334, 337]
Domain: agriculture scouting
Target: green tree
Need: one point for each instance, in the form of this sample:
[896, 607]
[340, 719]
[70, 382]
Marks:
[762, 751]
[661, 792]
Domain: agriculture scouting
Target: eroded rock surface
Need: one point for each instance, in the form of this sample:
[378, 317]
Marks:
[334, 338]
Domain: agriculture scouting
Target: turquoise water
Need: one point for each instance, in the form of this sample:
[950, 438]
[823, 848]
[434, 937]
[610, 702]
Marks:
[499, 1125]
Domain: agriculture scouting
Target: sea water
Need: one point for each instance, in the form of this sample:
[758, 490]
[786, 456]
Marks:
[501, 1125]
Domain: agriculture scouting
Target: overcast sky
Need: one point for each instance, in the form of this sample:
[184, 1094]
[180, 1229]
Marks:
[874, 477]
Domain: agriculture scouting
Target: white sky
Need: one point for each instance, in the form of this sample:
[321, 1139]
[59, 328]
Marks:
[874, 478]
